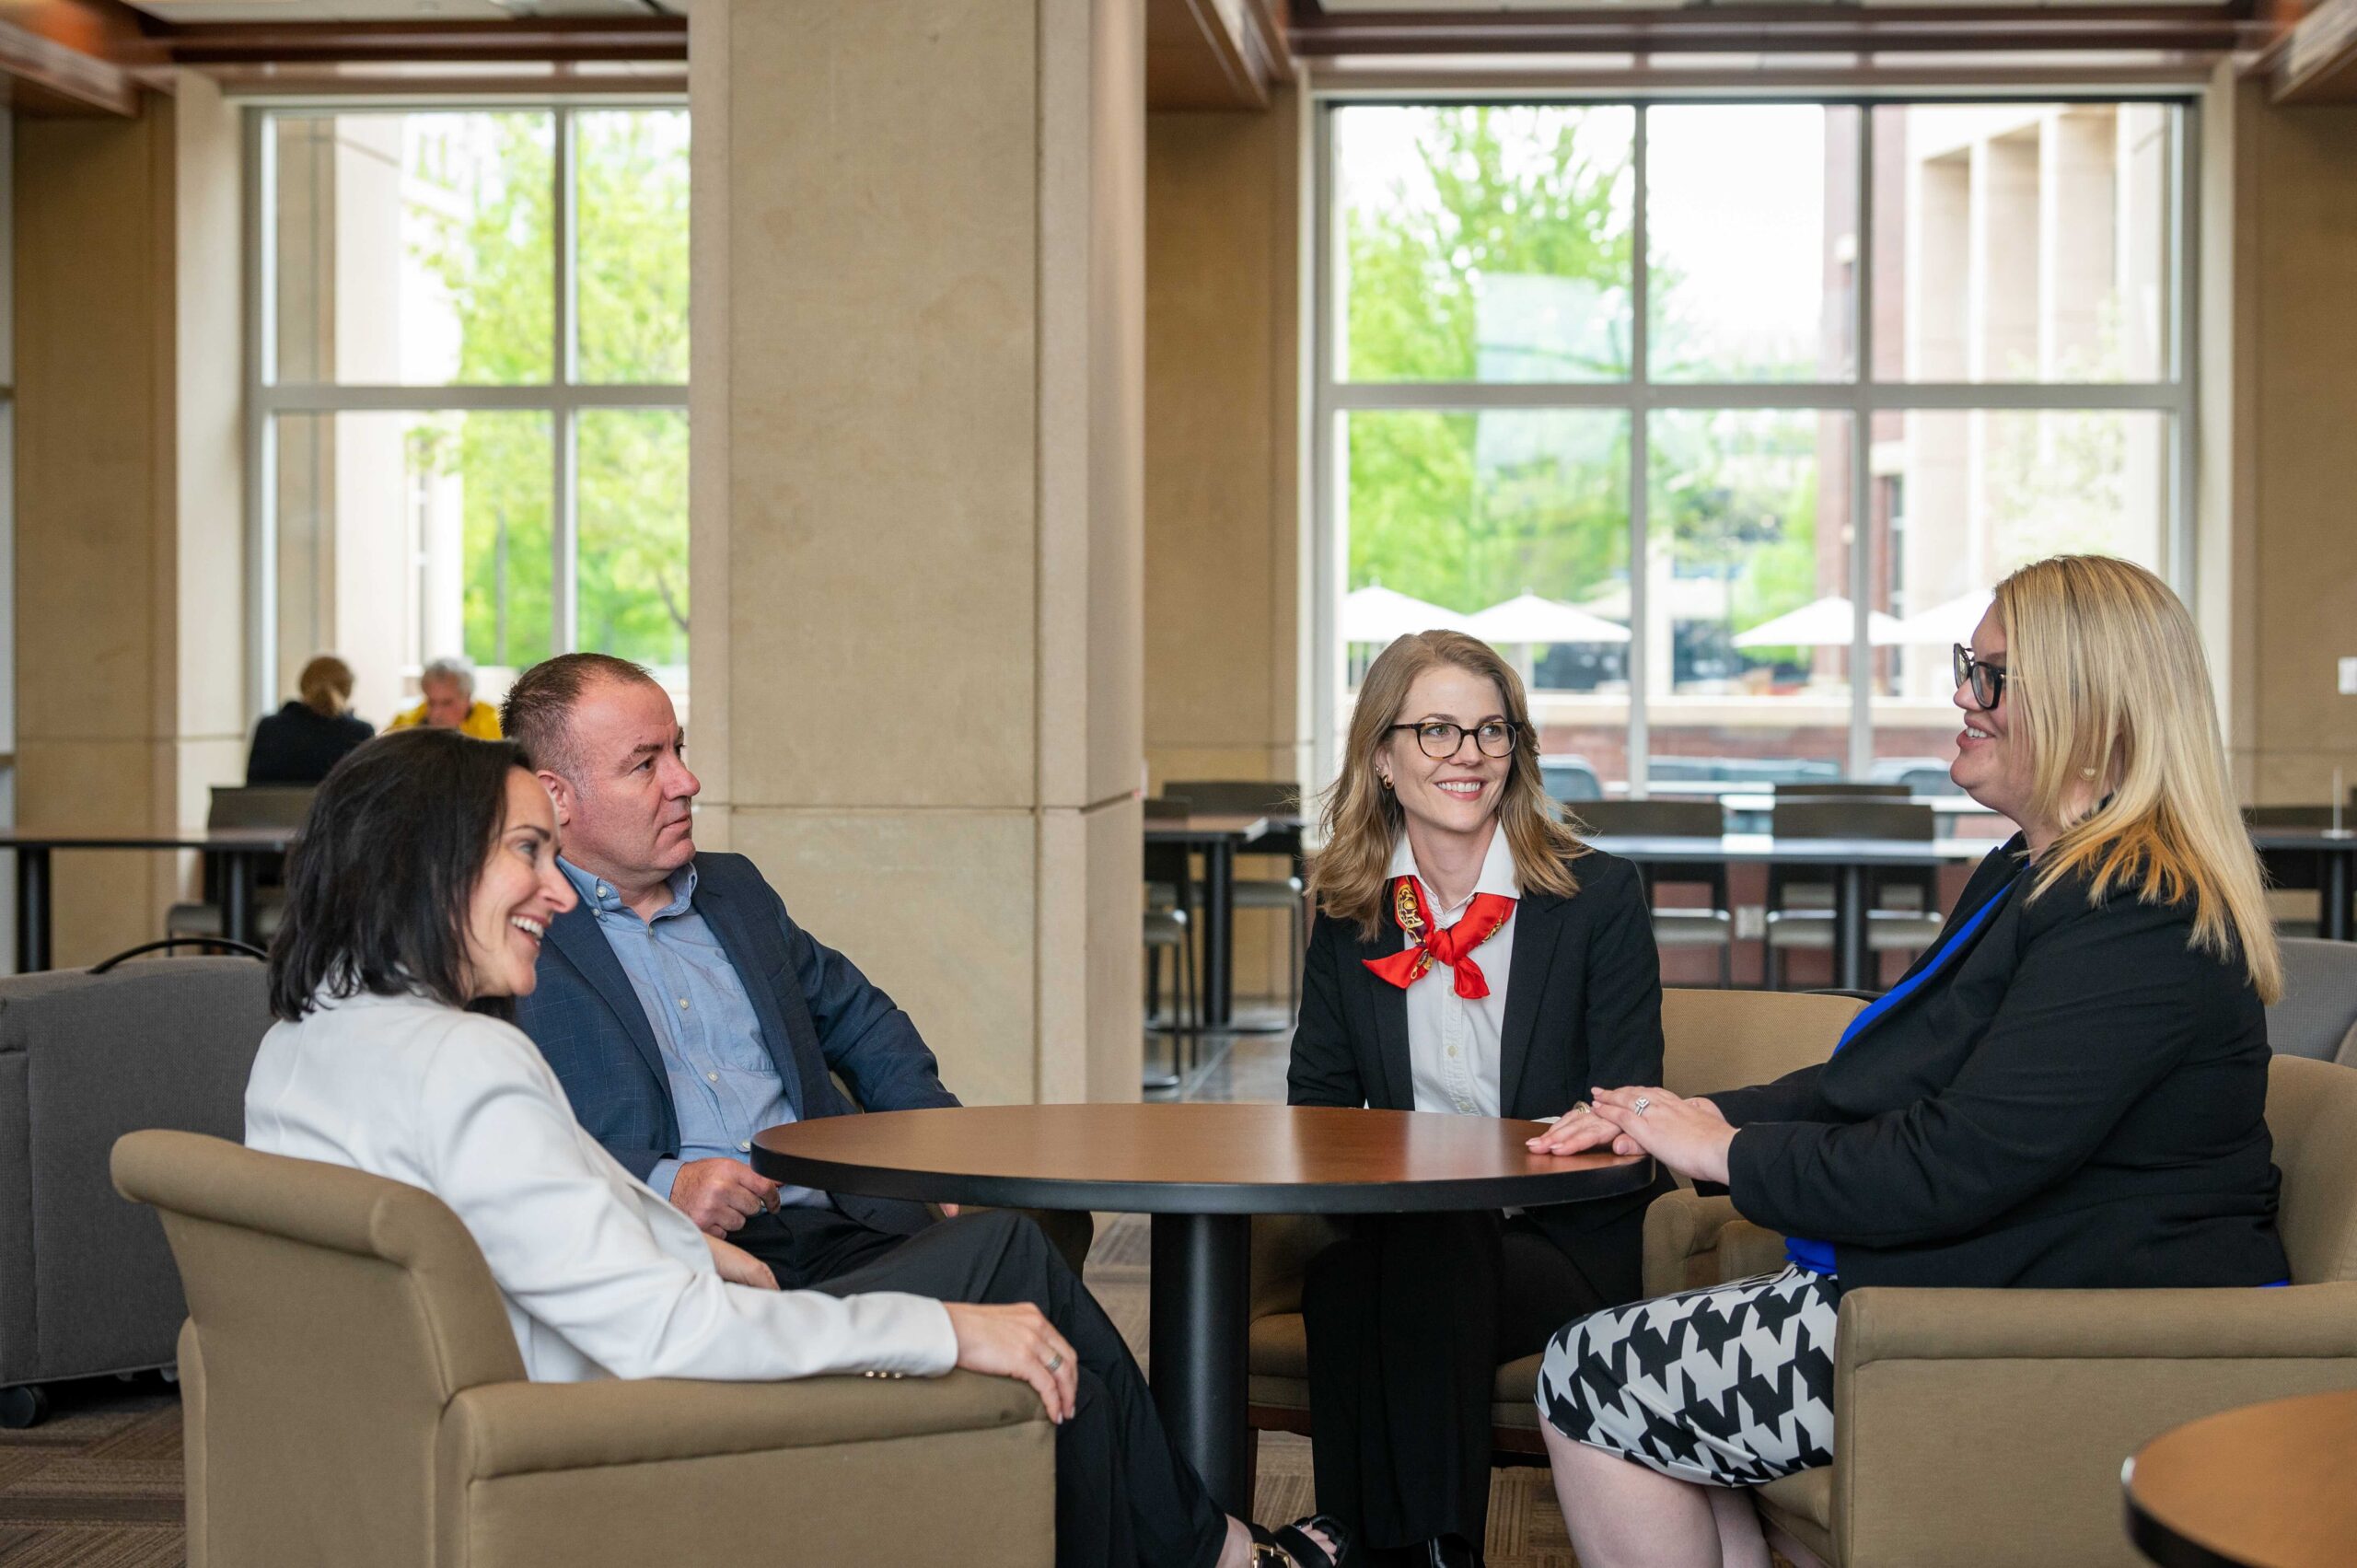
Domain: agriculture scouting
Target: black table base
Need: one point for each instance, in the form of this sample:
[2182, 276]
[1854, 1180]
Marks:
[1195, 1347]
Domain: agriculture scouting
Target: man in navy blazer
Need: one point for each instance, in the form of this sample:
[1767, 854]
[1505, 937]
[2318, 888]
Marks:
[757, 1018]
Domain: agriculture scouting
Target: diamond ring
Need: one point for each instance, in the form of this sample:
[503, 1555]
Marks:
[1641, 1103]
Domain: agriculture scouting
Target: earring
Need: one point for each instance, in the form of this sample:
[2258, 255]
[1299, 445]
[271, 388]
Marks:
[1385, 779]
[2086, 773]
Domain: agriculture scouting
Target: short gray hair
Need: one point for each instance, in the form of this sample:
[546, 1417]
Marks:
[450, 666]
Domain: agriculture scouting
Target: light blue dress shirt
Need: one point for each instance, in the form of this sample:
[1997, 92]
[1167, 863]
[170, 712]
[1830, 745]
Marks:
[725, 1084]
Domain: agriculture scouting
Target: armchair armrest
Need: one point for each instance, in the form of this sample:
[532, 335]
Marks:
[1693, 1240]
[501, 1428]
[619, 1474]
[1986, 1427]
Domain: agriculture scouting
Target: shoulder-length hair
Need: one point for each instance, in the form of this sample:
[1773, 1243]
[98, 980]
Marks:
[378, 885]
[2115, 696]
[1362, 820]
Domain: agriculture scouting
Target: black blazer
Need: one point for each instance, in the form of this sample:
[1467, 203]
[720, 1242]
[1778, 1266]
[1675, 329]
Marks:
[297, 746]
[2077, 1100]
[1583, 1009]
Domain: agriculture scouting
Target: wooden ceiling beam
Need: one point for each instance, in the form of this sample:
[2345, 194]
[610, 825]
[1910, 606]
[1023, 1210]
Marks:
[1777, 29]
[1200, 55]
[547, 40]
[69, 56]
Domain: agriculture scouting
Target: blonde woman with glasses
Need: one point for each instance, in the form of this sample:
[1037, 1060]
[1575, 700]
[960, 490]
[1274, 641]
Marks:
[1470, 957]
[2068, 1091]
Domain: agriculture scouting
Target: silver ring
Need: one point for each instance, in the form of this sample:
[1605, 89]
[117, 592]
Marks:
[1580, 1108]
[1640, 1106]
[1055, 1359]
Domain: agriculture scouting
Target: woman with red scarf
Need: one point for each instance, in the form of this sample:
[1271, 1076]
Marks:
[1470, 957]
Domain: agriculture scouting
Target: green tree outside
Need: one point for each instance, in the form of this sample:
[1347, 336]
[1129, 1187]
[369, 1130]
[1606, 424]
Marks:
[496, 260]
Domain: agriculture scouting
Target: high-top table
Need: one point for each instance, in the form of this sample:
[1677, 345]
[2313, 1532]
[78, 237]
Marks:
[241, 851]
[1850, 860]
[2264, 1486]
[1202, 1171]
[1216, 836]
[2336, 853]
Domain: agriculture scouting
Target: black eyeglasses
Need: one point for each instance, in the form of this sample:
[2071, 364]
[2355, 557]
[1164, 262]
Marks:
[1987, 680]
[1494, 736]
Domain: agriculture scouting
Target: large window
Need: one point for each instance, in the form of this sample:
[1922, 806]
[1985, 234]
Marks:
[470, 363]
[1721, 418]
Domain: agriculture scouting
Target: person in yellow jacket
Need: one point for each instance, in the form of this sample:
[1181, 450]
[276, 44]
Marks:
[449, 687]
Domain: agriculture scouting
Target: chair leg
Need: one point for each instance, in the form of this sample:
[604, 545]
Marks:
[1775, 968]
[1153, 984]
[1727, 964]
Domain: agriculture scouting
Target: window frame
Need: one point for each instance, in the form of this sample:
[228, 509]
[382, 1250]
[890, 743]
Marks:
[562, 397]
[1332, 399]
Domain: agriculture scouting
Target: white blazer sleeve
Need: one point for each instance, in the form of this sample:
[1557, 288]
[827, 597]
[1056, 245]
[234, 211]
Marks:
[504, 1152]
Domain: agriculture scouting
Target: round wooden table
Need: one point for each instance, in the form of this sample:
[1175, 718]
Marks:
[2264, 1486]
[1202, 1171]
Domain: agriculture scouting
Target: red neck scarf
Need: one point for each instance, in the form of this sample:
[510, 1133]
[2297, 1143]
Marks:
[1485, 917]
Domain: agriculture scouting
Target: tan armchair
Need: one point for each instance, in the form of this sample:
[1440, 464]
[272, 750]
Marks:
[353, 1394]
[1986, 1427]
[1711, 1040]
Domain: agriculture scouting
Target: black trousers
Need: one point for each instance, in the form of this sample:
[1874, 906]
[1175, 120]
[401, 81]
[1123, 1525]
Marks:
[1409, 1319]
[1122, 1496]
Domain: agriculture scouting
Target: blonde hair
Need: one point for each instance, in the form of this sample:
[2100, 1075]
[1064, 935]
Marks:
[325, 685]
[1362, 820]
[2115, 696]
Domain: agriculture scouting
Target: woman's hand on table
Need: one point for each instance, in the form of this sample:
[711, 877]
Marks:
[1579, 1131]
[1018, 1340]
[1688, 1135]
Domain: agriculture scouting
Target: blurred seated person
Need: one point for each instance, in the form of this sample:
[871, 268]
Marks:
[448, 685]
[300, 742]
[418, 897]
[2067, 1092]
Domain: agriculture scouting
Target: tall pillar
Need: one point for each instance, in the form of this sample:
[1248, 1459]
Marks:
[916, 503]
[130, 516]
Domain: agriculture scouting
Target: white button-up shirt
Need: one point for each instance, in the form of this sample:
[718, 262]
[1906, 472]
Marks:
[1452, 1044]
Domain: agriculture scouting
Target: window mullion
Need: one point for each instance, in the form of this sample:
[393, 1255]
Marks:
[563, 491]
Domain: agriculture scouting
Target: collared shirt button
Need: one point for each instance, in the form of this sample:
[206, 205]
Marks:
[712, 1077]
[604, 891]
[683, 1004]
[744, 1148]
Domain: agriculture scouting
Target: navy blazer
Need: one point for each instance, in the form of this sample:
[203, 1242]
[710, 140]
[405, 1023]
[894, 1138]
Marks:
[819, 1017]
[2077, 1100]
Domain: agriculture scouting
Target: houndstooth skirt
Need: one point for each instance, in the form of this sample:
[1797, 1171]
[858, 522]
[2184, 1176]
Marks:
[1730, 1384]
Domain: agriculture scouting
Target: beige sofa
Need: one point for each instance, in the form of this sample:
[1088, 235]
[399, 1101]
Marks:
[353, 1395]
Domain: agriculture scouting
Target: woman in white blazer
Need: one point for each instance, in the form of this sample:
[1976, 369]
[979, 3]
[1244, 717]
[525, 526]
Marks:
[417, 898]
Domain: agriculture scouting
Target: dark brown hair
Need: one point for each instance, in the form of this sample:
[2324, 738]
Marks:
[538, 714]
[378, 885]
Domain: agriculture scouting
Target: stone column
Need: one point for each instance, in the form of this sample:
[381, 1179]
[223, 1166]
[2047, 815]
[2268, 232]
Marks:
[916, 499]
[130, 509]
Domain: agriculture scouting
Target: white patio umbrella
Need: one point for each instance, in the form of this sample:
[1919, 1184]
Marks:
[1377, 615]
[1527, 618]
[1821, 623]
[1948, 624]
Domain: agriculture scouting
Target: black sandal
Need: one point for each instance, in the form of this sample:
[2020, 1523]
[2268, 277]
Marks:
[1292, 1546]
